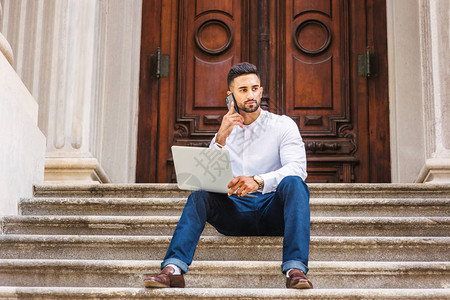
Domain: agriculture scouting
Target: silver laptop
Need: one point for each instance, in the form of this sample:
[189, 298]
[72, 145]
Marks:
[202, 168]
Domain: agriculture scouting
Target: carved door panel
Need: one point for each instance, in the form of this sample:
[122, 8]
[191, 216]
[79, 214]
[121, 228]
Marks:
[210, 37]
[307, 52]
[213, 37]
[343, 117]
[316, 81]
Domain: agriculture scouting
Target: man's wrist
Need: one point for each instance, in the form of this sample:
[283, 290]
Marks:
[219, 145]
[259, 180]
[220, 141]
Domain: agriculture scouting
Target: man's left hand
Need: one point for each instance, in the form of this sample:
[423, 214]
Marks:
[242, 185]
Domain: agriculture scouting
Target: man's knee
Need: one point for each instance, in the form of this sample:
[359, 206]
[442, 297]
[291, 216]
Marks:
[293, 185]
[291, 182]
[200, 194]
[197, 197]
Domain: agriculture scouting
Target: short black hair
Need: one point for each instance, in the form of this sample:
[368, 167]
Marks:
[239, 70]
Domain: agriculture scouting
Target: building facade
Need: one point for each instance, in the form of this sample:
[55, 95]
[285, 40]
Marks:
[80, 60]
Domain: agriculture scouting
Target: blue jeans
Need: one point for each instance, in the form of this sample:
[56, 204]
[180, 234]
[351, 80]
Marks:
[284, 212]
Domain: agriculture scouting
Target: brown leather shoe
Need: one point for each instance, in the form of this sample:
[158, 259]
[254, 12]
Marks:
[298, 280]
[165, 279]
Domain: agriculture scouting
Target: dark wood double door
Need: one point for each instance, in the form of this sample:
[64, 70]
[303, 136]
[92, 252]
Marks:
[307, 52]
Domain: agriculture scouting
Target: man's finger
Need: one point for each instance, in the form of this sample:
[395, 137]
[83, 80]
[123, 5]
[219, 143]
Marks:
[243, 192]
[233, 190]
[231, 110]
[234, 185]
[233, 182]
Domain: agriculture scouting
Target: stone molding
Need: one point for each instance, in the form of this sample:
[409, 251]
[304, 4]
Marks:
[74, 170]
[6, 50]
[5, 47]
[435, 170]
[427, 75]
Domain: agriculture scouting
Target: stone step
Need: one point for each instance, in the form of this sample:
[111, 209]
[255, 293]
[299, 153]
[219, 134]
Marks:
[225, 274]
[165, 225]
[223, 248]
[320, 207]
[74, 293]
[328, 190]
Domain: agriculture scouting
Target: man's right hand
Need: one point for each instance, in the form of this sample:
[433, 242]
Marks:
[228, 122]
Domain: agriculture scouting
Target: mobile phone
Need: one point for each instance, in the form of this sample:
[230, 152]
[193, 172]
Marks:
[229, 99]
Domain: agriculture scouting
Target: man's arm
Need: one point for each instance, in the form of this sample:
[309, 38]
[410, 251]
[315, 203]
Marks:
[292, 156]
[230, 120]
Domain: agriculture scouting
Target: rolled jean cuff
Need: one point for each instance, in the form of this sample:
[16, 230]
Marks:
[294, 264]
[175, 261]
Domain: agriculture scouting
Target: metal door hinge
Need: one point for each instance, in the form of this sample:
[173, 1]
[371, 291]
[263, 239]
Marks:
[365, 64]
[160, 64]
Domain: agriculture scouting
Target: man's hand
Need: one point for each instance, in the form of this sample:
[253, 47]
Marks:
[242, 185]
[228, 122]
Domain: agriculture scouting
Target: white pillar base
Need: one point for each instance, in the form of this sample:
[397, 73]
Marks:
[435, 170]
[74, 171]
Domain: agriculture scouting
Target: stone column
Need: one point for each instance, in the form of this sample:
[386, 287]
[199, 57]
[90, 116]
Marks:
[435, 45]
[54, 42]
[80, 60]
[419, 85]
[405, 90]
[71, 76]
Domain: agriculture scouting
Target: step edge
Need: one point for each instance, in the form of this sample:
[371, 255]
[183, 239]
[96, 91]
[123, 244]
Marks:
[224, 292]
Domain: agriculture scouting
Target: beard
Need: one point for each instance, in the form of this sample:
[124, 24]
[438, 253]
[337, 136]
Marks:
[252, 108]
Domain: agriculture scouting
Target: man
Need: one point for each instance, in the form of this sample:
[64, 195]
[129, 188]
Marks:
[268, 160]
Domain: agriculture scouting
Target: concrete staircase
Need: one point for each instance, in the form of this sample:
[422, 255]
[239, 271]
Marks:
[382, 241]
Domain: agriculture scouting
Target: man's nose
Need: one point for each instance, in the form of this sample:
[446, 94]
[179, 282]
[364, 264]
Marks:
[250, 95]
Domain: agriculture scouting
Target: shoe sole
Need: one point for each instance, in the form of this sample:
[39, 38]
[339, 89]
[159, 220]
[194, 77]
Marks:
[154, 284]
[302, 285]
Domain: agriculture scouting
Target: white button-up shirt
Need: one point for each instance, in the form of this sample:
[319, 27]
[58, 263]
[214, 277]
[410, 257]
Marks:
[271, 147]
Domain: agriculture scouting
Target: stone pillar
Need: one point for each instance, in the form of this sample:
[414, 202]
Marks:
[71, 75]
[80, 60]
[419, 84]
[55, 45]
[22, 144]
[405, 90]
[435, 28]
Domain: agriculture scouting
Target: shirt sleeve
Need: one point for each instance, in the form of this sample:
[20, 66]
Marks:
[292, 155]
[213, 145]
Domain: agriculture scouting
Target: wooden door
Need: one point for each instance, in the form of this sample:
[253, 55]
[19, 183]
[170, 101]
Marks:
[307, 53]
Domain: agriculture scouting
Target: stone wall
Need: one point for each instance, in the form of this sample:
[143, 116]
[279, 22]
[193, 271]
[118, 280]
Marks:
[22, 144]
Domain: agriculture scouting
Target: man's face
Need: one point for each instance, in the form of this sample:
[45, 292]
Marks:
[247, 92]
